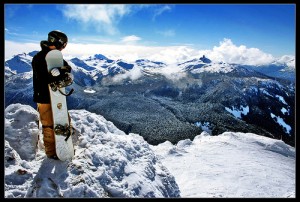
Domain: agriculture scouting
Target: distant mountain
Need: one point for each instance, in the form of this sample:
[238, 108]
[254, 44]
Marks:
[276, 71]
[157, 100]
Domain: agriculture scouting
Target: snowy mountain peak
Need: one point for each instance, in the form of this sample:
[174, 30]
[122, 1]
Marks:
[97, 63]
[33, 53]
[205, 60]
[100, 57]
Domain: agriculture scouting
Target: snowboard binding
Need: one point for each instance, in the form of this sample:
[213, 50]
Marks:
[63, 80]
[63, 130]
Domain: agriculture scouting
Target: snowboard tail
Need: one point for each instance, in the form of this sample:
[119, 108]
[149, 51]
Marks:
[62, 129]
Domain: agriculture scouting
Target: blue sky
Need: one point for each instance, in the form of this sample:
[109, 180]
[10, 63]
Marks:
[267, 27]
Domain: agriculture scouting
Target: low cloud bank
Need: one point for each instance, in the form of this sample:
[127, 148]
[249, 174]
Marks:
[227, 52]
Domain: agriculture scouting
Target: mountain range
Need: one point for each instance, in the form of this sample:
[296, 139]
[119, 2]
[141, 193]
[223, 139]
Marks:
[173, 101]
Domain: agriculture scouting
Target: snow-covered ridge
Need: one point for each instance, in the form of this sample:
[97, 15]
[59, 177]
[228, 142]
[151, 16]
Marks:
[109, 163]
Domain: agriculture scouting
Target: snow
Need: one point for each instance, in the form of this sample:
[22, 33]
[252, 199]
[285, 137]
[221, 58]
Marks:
[205, 126]
[237, 112]
[109, 163]
[264, 91]
[215, 68]
[230, 165]
[89, 90]
[284, 111]
[281, 122]
[281, 99]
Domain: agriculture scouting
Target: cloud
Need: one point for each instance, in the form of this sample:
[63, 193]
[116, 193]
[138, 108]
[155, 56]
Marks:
[173, 54]
[9, 32]
[172, 72]
[132, 74]
[230, 53]
[14, 48]
[19, 35]
[102, 17]
[289, 60]
[167, 33]
[225, 52]
[12, 11]
[160, 10]
[130, 39]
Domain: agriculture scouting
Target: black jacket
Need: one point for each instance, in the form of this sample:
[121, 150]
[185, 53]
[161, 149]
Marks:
[41, 76]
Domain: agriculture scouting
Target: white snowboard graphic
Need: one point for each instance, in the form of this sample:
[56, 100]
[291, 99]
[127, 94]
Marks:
[63, 140]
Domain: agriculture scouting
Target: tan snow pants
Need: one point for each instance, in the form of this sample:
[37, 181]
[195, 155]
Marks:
[46, 119]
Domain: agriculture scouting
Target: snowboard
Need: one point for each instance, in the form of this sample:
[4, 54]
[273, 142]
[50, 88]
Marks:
[61, 126]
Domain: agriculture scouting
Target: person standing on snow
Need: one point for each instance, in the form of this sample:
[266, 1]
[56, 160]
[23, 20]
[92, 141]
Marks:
[41, 78]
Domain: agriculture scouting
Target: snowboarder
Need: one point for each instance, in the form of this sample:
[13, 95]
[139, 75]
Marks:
[56, 40]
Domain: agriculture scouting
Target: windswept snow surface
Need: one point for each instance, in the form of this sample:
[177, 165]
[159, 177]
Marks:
[231, 165]
[109, 163]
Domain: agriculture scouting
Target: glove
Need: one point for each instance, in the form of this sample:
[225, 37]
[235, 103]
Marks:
[55, 72]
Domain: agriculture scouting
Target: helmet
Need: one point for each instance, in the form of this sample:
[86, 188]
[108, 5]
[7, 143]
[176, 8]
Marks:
[58, 39]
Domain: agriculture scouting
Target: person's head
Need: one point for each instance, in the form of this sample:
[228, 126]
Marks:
[58, 39]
